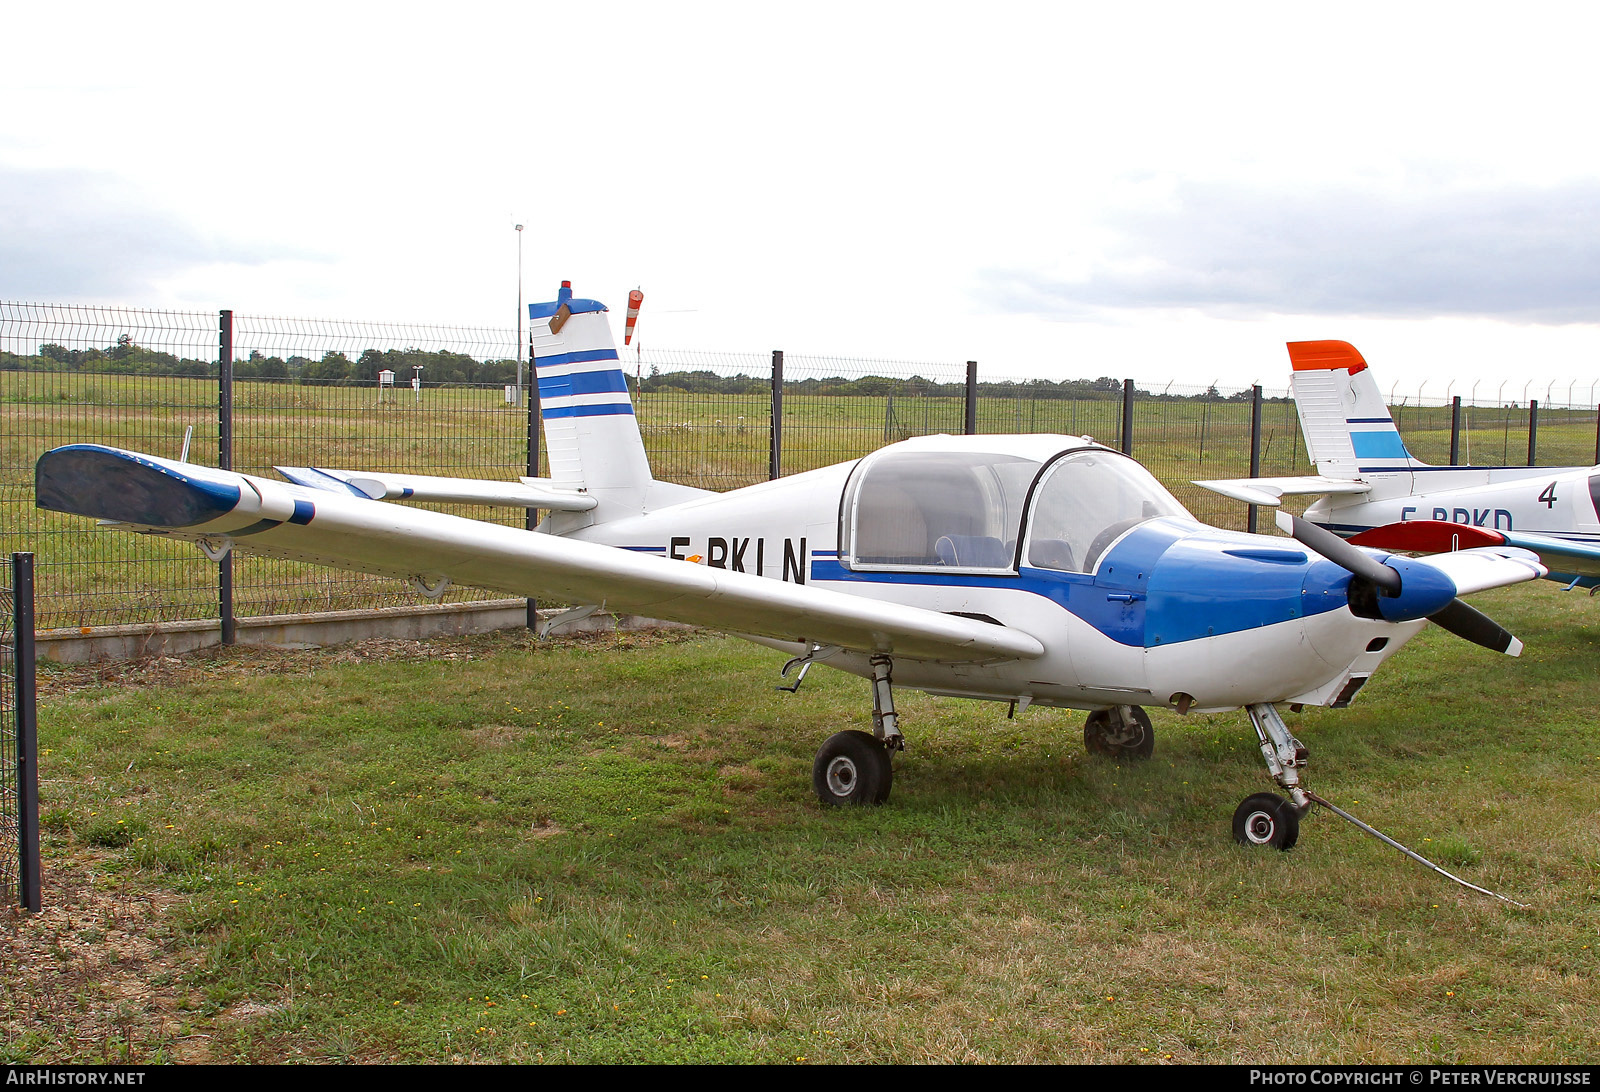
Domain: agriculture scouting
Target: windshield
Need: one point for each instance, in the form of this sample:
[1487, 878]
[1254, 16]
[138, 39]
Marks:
[1086, 502]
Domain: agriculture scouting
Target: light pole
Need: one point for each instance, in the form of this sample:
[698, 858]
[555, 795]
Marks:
[519, 314]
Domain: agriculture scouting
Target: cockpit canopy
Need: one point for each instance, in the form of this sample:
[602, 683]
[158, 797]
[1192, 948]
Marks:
[922, 507]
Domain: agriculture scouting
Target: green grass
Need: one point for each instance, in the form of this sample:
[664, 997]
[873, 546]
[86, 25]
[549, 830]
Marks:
[608, 851]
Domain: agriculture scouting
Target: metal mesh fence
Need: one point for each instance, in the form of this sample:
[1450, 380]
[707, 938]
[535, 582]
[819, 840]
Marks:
[134, 379]
[312, 392]
[706, 418]
[835, 409]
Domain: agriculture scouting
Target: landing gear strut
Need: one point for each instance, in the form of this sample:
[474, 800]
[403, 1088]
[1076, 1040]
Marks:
[1266, 819]
[853, 767]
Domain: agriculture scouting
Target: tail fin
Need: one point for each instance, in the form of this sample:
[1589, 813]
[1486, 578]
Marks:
[1347, 426]
[591, 434]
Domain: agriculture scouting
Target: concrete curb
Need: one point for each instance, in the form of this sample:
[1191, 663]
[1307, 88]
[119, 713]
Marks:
[102, 643]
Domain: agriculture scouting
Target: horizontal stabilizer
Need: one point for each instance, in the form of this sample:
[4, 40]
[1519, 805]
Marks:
[1487, 567]
[527, 493]
[1271, 491]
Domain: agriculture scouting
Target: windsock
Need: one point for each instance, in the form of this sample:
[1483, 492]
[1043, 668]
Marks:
[635, 298]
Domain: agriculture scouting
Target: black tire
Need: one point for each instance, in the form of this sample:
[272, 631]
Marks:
[1266, 819]
[852, 768]
[1136, 743]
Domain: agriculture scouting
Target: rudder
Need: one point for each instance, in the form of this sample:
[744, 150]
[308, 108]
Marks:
[1348, 429]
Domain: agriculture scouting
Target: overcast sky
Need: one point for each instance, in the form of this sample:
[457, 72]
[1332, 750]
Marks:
[1163, 191]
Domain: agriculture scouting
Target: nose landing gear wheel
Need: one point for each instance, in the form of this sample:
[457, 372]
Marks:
[1266, 819]
[852, 768]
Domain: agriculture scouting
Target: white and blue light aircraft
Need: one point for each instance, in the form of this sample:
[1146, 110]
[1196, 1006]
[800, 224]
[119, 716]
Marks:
[1029, 570]
[1371, 490]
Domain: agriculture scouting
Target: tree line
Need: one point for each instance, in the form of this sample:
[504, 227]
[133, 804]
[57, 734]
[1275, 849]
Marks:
[444, 368]
[1104, 389]
[439, 368]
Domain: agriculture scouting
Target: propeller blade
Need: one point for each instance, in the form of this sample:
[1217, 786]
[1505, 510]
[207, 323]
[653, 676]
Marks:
[1473, 625]
[1457, 617]
[1338, 551]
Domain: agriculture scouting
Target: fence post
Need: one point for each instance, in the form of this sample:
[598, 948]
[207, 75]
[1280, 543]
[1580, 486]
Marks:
[1255, 447]
[1127, 417]
[1533, 431]
[1597, 435]
[22, 663]
[531, 520]
[230, 626]
[971, 423]
[1455, 431]
[775, 450]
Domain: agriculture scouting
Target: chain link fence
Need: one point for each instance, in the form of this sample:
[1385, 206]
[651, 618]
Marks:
[313, 392]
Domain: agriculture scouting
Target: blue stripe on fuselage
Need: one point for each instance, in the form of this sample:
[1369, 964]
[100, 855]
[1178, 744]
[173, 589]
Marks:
[1164, 583]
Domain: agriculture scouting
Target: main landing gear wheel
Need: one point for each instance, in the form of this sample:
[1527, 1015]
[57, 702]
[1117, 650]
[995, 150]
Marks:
[1122, 732]
[852, 768]
[1266, 819]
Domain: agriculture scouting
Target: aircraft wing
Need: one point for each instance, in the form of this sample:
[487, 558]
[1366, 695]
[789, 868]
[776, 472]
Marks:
[1270, 491]
[526, 493]
[343, 530]
[1559, 555]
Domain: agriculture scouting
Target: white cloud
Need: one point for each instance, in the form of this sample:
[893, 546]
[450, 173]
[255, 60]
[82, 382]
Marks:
[72, 234]
[1522, 254]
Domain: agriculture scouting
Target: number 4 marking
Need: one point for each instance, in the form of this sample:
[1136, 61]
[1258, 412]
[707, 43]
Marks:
[1549, 495]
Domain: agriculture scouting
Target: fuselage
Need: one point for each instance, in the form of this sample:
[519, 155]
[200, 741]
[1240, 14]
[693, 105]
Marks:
[1559, 502]
[1134, 600]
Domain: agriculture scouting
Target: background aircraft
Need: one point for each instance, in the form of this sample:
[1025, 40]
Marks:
[1370, 487]
[1030, 570]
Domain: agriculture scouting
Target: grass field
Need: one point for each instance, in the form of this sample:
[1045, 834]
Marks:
[607, 850]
